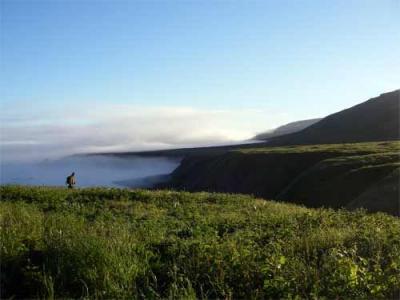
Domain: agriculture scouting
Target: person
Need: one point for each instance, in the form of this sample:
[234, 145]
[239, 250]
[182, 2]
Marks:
[71, 180]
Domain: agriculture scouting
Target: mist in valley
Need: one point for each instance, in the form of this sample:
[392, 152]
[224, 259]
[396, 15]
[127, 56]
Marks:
[36, 147]
[96, 170]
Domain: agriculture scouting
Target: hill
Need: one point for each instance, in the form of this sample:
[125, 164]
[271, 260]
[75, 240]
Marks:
[118, 244]
[332, 175]
[377, 119]
[286, 129]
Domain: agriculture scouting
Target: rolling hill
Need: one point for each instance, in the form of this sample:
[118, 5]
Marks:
[332, 175]
[377, 119]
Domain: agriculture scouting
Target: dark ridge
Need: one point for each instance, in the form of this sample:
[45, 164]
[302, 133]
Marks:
[374, 120]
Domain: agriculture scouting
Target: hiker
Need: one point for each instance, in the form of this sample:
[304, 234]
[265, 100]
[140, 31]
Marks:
[71, 180]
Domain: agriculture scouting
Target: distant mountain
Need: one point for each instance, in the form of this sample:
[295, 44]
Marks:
[286, 129]
[374, 120]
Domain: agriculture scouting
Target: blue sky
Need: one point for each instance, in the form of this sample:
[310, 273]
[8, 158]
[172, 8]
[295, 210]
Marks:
[247, 65]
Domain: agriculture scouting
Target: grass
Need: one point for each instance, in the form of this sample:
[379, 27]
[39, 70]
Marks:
[345, 148]
[330, 175]
[114, 243]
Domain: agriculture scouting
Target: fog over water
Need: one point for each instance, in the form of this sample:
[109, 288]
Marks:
[133, 171]
[36, 144]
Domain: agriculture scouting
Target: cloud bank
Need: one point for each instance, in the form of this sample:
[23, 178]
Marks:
[107, 128]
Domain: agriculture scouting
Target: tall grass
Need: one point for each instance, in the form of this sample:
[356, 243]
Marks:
[111, 243]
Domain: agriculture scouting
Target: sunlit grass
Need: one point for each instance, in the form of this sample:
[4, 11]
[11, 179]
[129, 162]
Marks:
[345, 148]
[114, 243]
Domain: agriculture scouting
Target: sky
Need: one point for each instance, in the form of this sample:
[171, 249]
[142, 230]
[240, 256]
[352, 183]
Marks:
[78, 76]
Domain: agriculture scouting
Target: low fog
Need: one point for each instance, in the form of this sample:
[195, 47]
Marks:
[38, 135]
[96, 170]
[34, 141]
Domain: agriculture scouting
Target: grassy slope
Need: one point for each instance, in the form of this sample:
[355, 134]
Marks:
[317, 175]
[379, 195]
[111, 243]
[374, 120]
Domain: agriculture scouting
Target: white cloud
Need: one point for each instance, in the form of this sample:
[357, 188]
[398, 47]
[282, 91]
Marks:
[126, 128]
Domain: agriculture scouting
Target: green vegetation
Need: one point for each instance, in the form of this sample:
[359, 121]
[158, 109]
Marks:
[355, 175]
[347, 148]
[112, 243]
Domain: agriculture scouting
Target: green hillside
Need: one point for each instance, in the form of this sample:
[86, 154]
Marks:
[112, 243]
[332, 175]
[376, 119]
